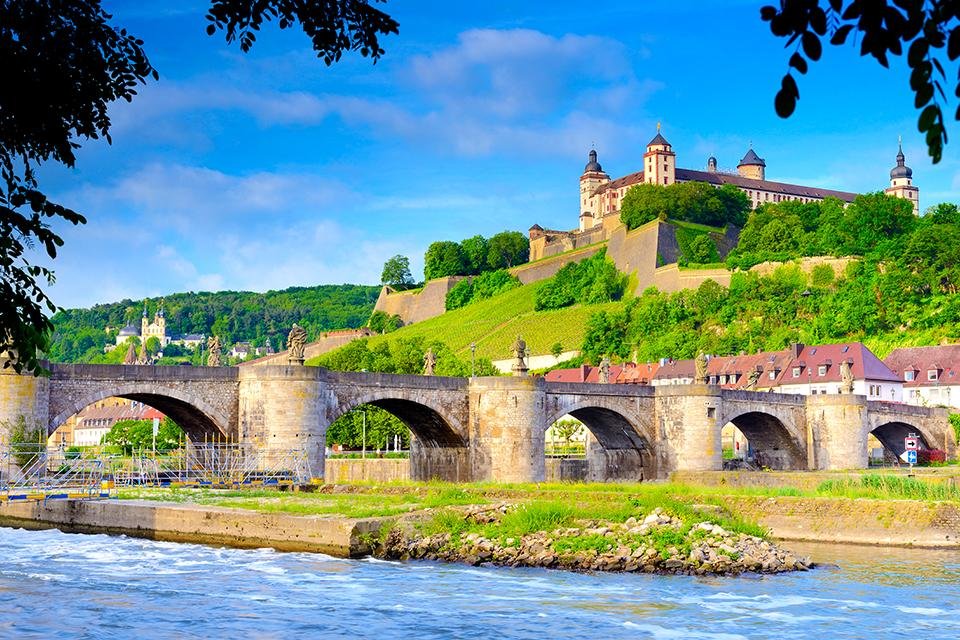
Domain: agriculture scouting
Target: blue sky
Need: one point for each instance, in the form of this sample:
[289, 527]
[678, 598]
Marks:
[266, 170]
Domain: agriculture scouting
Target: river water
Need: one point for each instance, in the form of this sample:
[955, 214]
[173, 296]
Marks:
[55, 585]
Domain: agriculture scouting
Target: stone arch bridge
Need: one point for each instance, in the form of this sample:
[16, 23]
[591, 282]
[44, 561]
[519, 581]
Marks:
[487, 428]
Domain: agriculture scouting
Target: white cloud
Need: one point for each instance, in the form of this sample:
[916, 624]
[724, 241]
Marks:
[516, 90]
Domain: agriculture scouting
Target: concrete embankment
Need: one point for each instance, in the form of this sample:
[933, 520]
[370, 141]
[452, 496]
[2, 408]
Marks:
[333, 535]
[899, 523]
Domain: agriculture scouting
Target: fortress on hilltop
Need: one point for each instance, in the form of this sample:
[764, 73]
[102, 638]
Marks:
[600, 197]
[652, 254]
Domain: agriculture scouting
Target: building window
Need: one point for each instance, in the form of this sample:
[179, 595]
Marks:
[664, 179]
[908, 375]
[822, 370]
[796, 372]
[932, 374]
[773, 375]
[723, 379]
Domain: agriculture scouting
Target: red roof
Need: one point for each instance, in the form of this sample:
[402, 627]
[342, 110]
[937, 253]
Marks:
[944, 359]
[864, 365]
[627, 373]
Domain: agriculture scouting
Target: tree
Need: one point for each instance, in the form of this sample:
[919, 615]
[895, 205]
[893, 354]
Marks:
[153, 345]
[137, 435]
[926, 29]
[475, 251]
[396, 273]
[507, 249]
[443, 258]
[62, 64]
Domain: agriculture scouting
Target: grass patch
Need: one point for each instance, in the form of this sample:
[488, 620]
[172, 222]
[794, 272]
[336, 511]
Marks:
[591, 542]
[887, 486]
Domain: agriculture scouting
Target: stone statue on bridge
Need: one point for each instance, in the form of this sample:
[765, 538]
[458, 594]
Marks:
[753, 379]
[296, 342]
[213, 351]
[700, 376]
[603, 373]
[520, 357]
[846, 377]
[429, 362]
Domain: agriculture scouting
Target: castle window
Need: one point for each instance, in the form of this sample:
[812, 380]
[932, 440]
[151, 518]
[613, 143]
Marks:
[664, 179]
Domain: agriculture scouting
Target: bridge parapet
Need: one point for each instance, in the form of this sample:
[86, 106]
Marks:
[139, 372]
[597, 389]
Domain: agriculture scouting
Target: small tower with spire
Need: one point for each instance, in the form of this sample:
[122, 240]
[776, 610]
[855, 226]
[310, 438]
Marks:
[659, 161]
[901, 181]
[593, 176]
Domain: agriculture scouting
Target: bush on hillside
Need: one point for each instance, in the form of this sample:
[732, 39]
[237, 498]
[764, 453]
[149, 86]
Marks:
[382, 322]
[484, 286]
[589, 281]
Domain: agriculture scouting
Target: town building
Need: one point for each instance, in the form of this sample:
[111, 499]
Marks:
[930, 375]
[96, 420]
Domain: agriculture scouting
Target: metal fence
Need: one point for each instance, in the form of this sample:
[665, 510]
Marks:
[31, 471]
[217, 465]
[35, 472]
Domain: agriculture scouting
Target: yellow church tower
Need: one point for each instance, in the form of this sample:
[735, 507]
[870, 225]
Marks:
[901, 181]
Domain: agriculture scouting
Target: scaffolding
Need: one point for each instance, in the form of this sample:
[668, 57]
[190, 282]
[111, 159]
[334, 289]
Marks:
[31, 471]
[220, 465]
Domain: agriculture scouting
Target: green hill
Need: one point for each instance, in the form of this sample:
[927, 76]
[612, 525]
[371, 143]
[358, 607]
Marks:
[901, 288]
[235, 316]
[495, 323]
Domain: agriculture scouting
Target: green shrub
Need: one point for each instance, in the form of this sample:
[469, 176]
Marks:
[591, 281]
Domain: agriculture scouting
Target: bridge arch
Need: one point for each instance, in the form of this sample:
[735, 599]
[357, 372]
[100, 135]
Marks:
[891, 432]
[430, 423]
[774, 436]
[626, 438]
[195, 415]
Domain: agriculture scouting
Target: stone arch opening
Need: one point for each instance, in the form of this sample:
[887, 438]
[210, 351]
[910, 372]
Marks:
[427, 425]
[891, 437]
[764, 441]
[198, 421]
[438, 446]
[615, 448]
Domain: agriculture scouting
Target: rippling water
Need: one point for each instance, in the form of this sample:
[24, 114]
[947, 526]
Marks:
[81, 586]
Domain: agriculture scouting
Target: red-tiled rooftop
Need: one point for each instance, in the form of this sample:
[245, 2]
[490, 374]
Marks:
[944, 359]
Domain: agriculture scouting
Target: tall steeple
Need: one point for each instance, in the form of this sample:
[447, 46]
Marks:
[591, 209]
[901, 181]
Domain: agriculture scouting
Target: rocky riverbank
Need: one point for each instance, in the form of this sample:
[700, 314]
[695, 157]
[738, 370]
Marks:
[657, 543]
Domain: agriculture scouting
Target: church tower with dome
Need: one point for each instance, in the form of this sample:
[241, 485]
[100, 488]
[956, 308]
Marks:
[901, 182]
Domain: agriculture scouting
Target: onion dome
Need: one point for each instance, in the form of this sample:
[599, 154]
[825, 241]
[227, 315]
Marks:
[592, 164]
[901, 170]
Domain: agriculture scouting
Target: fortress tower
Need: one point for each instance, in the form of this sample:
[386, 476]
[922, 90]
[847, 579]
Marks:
[901, 182]
[660, 162]
[752, 166]
[593, 176]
